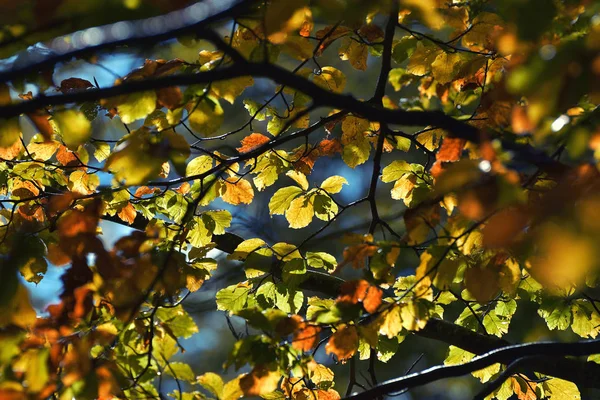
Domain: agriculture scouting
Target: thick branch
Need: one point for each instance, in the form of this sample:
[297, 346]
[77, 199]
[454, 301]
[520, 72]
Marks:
[320, 96]
[504, 355]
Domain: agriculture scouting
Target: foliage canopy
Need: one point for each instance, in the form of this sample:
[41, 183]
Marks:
[430, 168]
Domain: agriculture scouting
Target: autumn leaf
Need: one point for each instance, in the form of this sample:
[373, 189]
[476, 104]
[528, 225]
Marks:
[236, 191]
[252, 142]
[259, 381]
[306, 338]
[343, 343]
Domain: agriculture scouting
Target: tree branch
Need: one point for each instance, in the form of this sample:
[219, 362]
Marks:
[505, 355]
[320, 96]
[189, 20]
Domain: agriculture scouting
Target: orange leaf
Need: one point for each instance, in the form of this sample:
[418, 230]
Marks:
[252, 142]
[259, 381]
[353, 292]
[343, 343]
[372, 300]
[451, 149]
[306, 338]
[360, 291]
[143, 190]
[11, 152]
[66, 157]
[236, 191]
[317, 394]
[128, 213]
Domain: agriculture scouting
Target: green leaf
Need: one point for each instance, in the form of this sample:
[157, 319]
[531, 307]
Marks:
[321, 260]
[233, 298]
[74, 127]
[199, 165]
[557, 313]
[178, 321]
[404, 49]
[288, 300]
[181, 371]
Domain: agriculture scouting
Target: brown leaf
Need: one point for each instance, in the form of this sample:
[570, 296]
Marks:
[306, 338]
[504, 227]
[252, 142]
[482, 283]
[170, 97]
[73, 85]
[41, 122]
[343, 343]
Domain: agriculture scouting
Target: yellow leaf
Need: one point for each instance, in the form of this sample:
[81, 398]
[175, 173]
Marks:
[282, 198]
[74, 127]
[331, 79]
[355, 52]
[299, 178]
[557, 389]
[18, 310]
[81, 182]
[356, 146]
[137, 106]
[484, 32]
[43, 151]
[134, 161]
[10, 132]
[236, 191]
[414, 316]
[392, 322]
[230, 89]
[395, 171]
[333, 184]
[207, 117]
[300, 213]
[445, 67]
[283, 17]
[428, 11]
[509, 276]
[422, 58]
